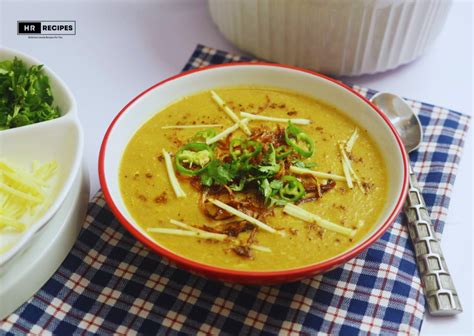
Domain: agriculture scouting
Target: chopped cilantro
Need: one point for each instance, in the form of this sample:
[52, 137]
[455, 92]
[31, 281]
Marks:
[217, 172]
[25, 95]
[270, 166]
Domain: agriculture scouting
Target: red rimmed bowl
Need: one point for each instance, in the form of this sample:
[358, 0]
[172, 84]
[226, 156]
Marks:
[159, 96]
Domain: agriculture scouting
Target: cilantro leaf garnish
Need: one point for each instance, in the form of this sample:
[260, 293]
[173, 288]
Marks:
[217, 172]
[25, 95]
[270, 166]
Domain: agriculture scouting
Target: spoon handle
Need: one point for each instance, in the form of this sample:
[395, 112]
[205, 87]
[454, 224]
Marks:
[441, 296]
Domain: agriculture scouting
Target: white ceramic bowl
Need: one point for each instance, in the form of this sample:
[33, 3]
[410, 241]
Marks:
[59, 139]
[148, 103]
[338, 37]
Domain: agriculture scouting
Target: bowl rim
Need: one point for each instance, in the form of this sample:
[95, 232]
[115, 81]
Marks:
[245, 275]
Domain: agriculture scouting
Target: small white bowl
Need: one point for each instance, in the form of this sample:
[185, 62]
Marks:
[60, 139]
[350, 103]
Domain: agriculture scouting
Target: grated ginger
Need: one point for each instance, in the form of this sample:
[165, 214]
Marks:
[23, 194]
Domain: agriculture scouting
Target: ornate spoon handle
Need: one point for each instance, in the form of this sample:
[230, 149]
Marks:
[441, 296]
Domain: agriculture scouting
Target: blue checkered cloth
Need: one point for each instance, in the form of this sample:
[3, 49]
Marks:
[111, 283]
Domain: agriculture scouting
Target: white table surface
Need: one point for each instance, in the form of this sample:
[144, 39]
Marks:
[123, 47]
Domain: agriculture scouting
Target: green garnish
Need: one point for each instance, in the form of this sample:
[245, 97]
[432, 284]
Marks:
[299, 141]
[218, 172]
[202, 136]
[302, 164]
[244, 150]
[292, 189]
[25, 95]
[270, 165]
[238, 186]
[282, 152]
[195, 156]
[270, 190]
[249, 164]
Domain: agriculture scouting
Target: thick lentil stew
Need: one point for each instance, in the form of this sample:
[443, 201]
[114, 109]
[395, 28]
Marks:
[253, 178]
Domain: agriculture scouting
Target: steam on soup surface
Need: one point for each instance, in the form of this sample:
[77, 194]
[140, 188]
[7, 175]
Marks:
[263, 169]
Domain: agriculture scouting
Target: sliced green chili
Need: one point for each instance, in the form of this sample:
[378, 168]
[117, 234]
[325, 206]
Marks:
[292, 189]
[299, 140]
[244, 150]
[195, 154]
[202, 136]
[282, 152]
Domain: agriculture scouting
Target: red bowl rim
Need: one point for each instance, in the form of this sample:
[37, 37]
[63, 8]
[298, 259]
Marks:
[251, 276]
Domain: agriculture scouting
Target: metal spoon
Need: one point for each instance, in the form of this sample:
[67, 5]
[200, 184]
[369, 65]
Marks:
[441, 296]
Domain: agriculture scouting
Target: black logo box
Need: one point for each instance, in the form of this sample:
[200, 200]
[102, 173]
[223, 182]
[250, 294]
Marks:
[29, 27]
[34, 27]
